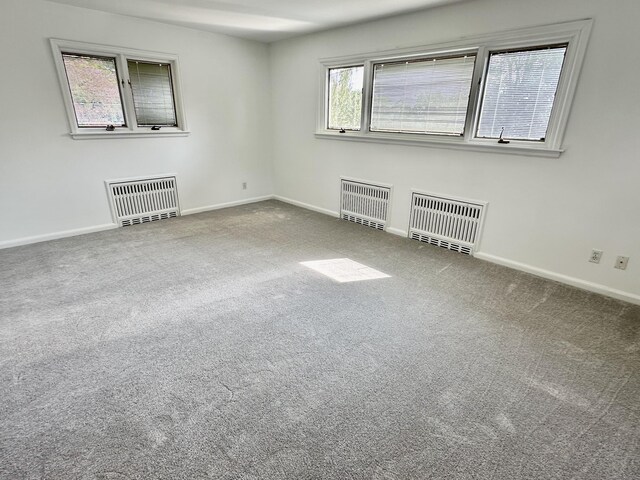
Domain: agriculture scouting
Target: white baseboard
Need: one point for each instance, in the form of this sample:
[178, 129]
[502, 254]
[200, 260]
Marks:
[307, 206]
[397, 231]
[100, 228]
[576, 282]
[218, 206]
[333, 213]
[56, 235]
[558, 277]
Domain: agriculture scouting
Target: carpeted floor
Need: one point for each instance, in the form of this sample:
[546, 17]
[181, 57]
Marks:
[200, 347]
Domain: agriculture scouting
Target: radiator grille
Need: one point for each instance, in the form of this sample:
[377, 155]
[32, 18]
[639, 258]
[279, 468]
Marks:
[445, 222]
[364, 203]
[143, 201]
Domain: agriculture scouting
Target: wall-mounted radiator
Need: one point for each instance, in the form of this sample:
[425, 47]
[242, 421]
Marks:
[143, 200]
[364, 203]
[446, 222]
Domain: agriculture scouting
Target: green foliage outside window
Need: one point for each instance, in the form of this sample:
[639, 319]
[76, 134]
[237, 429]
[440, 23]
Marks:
[345, 98]
[94, 89]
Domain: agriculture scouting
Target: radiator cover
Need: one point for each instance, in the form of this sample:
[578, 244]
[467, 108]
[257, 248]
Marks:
[446, 222]
[143, 200]
[364, 203]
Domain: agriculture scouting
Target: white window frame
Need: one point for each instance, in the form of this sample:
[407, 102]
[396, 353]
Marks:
[575, 34]
[326, 106]
[121, 55]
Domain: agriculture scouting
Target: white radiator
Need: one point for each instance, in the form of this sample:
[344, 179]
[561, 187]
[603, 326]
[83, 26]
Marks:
[446, 222]
[365, 203]
[143, 200]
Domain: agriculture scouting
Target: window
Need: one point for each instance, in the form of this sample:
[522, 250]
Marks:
[506, 92]
[422, 96]
[519, 91]
[152, 93]
[93, 83]
[345, 98]
[114, 92]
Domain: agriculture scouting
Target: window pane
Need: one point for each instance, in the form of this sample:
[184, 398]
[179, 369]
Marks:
[152, 93]
[345, 98]
[422, 96]
[519, 93]
[93, 82]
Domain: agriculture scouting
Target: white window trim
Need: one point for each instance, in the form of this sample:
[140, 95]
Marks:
[575, 34]
[121, 55]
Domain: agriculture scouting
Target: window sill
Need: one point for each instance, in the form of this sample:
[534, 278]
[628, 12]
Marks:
[451, 143]
[128, 134]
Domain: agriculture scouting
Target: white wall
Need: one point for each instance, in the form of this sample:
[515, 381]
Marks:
[51, 183]
[545, 215]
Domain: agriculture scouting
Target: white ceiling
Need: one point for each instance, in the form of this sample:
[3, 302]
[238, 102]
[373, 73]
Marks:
[262, 20]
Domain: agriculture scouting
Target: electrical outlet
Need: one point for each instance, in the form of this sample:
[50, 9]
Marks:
[621, 263]
[244, 185]
[596, 255]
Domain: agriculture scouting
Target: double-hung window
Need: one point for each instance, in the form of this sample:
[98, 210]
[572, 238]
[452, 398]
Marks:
[110, 91]
[507, 92]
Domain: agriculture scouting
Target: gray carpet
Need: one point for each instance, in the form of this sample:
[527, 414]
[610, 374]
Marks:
[200, 348]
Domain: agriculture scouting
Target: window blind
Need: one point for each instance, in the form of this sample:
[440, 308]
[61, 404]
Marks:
[93, 83]
[422, 96]
[152, 93]
[519, 92]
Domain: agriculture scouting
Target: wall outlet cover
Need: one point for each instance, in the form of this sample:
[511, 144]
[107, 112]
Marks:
[596, 256]
[621, 262]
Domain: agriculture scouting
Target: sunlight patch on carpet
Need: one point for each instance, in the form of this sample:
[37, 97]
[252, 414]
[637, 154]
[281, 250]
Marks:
[344, 270]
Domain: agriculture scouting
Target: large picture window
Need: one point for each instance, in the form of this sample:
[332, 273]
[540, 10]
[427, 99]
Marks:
[508, 92]
[117, 92]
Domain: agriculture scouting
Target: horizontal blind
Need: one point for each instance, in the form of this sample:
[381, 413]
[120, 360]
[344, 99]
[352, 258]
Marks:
[152, 93]
[519, 92]
[422, 96]
[93, 82]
